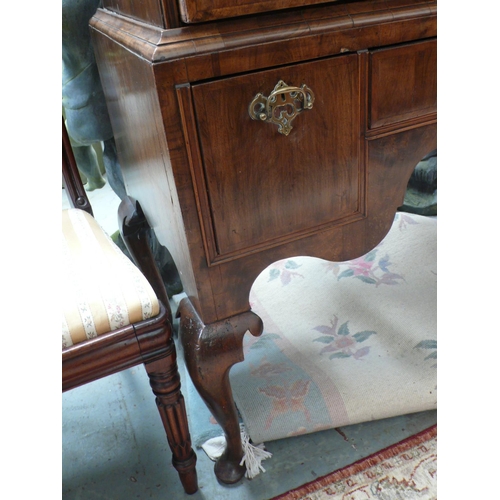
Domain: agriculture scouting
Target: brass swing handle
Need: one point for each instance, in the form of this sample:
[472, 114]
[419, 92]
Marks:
[282, 106]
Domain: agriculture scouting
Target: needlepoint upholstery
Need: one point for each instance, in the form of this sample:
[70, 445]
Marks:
[102, 289]
[343, 342]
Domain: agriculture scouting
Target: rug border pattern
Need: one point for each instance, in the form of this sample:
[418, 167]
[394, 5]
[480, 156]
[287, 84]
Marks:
[360, 465]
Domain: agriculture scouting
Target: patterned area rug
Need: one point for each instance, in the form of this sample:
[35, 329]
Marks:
[343, 343]
[405, 470]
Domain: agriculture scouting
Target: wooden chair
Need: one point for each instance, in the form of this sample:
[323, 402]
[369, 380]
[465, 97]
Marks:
[115, 316]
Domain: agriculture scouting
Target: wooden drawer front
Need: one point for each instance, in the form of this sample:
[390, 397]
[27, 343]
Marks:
[195, 11]
[264, 187]
[403, 83]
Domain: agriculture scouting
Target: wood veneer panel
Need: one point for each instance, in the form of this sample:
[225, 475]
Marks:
[403, 83]
[144, 68]
[264, 186]
[160, 13]
[148, 11]
[237, 45]
[389, 163]
[148, 144]
[195, 11]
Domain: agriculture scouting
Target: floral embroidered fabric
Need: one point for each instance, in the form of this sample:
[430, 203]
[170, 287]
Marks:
[343, 342]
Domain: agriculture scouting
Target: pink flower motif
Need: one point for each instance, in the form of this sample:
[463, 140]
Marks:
[362, 267]
[340, 342]
[344, 342]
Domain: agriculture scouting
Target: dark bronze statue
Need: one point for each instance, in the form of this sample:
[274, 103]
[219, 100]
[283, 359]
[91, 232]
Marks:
[84, 105]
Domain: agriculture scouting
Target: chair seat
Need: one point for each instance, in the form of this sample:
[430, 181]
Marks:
[102, 289]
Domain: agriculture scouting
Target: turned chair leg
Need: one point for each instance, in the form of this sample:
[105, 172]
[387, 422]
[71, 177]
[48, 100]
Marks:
[163, 372]
[165, 381]
[210, 351]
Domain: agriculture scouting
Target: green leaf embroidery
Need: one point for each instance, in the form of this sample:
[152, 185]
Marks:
[339, 355]
[290, 264]
[370, 257]
[432, 355]
[344, 329]
[427, 344]
[362, 336]
[366, 279]
[273, 274]
[346, 274]
[324, 340]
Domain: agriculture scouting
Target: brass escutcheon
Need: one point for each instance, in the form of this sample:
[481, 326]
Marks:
[282, 106]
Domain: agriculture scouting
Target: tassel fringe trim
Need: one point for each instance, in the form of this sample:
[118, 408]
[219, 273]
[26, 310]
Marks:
[253, 455]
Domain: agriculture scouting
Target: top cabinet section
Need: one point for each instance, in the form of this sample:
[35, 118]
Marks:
[170, 14]
[148, 11]
[196, 11]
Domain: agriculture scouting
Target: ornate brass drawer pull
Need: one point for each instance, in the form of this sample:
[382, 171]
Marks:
[282, 106]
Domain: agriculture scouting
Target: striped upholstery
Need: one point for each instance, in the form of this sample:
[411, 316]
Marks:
[102, 289]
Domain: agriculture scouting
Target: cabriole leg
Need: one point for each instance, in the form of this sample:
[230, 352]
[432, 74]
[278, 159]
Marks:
[210, 351]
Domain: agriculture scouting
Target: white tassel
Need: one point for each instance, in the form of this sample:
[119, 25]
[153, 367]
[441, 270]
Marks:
[252, 455]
